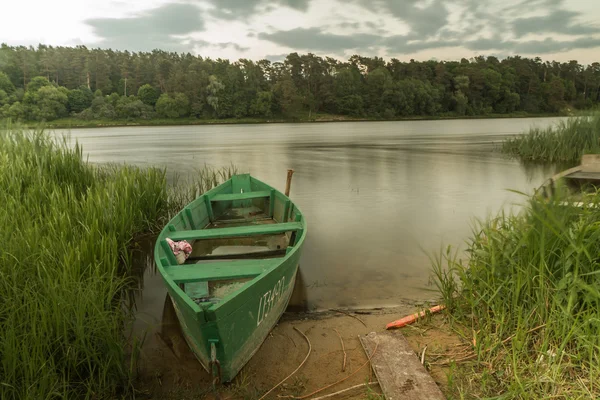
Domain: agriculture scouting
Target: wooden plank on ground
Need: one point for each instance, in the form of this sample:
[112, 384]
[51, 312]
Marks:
[398, 369]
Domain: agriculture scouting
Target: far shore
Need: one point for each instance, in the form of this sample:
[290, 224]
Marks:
[68, 123]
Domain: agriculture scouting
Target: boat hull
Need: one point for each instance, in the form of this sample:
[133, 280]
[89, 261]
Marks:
[224, 328]
[242, 332]
[227, 302]
[576, 179]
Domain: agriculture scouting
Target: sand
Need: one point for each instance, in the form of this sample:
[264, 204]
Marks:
[168, 370]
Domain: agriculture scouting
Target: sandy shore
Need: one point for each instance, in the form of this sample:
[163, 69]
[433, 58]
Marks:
[169, 371]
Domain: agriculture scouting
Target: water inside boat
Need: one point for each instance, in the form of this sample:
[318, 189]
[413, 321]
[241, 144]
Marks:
[239, 231]
[236, 248]
[583, 182]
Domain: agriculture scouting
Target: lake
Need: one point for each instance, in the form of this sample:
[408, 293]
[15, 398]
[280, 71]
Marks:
[379, 197]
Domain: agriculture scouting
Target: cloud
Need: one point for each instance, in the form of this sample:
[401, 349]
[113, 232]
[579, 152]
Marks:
[554, 46]
[276, 57]
[312, 39]
[151, 29]
[480, 26]
[199, 43]
[487, 44]
[423, 21]
[404, 44]
[347, 24]
[233, 45]
[234, 9]
[242, 9]
[300, 5]
[485, 29]
[549, 45]
[558, 21]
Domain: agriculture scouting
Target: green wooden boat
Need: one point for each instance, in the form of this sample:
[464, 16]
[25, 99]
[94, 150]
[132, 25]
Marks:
[574, 183]
[247, 238]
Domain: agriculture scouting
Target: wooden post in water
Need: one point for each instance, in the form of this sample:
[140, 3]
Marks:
[288, 183]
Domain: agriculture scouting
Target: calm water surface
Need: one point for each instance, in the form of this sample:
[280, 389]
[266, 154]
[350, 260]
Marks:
[378, 196]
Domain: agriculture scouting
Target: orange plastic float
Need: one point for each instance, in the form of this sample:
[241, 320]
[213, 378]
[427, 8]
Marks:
[413, 317]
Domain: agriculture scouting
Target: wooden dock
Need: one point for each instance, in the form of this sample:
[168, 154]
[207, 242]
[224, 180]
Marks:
[398, 369]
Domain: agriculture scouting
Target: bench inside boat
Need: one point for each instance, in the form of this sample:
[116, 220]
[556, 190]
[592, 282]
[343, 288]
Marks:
[238, 231]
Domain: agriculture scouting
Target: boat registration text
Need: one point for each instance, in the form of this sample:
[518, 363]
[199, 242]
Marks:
[270, 299]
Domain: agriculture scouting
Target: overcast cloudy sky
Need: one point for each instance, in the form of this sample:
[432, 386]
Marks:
[405, 29]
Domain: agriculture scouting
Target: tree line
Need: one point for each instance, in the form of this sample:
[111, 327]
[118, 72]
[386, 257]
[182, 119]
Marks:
[47, 83]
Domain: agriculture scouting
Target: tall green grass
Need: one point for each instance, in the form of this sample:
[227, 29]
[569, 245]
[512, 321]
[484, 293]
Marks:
[565, 142]
[188, 188]
[529, 296]
[65, 264]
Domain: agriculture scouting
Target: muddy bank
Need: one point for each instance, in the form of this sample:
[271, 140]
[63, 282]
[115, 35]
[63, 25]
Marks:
[168, 370]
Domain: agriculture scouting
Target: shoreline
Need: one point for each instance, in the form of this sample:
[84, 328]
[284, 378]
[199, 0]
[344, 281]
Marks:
[168, 370]
[72, 123]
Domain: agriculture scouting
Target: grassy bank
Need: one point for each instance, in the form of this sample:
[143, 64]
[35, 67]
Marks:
[529, 300]
[565, 142]
[64, 266]
[65, 123]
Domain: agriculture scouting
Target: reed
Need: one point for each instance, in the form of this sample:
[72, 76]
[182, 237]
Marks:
[528, 297]
[565, 142]
[186, 189]
[65, 265]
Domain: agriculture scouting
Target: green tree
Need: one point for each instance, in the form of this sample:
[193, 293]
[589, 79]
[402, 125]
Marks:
[377, 83]
[79, 99]
[262, 105]
[287, 95]
[49, 103]
[4, 111]
[17, 112]
[492, 91]
[4, 99]
[400, 99]
[148, 94]
[302, 84]
[100, 108]
[5, 84]
[36, 83]
[197, 109]
[508, 103]
[554, 93]
[112, 99]
[347, 82]
[133, 108]
[214, 89]
[351, 105]
[460, 102]
[17, 95]
[166, 107]
[182, 104]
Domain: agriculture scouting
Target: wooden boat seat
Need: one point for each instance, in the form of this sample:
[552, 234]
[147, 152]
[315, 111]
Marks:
[587, 175]
[242, 196]
[221, 233]
[215, 271]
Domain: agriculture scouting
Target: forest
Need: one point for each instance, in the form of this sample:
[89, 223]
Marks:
[48, 83]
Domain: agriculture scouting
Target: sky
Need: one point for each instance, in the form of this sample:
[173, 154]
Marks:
[560, 30]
